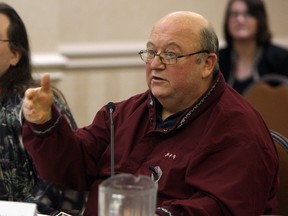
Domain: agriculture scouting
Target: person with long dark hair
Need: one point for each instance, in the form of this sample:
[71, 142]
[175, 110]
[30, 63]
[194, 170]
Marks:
[249, 53]
[19, 180]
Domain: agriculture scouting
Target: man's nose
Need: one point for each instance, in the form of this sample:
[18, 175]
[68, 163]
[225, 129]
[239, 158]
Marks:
[157, 61]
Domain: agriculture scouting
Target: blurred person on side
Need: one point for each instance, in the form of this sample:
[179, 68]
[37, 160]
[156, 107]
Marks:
[207, 149]
[249, 53]
[19, 180]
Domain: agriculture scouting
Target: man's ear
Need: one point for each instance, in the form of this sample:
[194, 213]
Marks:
[15, 57]
[210, 63]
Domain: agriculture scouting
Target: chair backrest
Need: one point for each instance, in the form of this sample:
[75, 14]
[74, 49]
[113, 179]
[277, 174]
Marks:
[281, 143]
[270, 97]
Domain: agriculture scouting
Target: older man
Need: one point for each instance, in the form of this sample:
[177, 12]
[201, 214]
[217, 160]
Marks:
[213, 152]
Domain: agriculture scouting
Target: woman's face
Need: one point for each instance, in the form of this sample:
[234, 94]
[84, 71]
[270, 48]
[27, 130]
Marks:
[241, 24]
[7, 57]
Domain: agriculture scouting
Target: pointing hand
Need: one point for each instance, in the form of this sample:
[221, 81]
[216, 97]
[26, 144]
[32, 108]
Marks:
[37, 102]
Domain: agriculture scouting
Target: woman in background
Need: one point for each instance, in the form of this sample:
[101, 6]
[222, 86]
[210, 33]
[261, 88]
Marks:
[18, 178]
[249, 53]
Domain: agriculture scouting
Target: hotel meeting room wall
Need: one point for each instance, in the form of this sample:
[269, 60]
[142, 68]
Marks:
[90, 47]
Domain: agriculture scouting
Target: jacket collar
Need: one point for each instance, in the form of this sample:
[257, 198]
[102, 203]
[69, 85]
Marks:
[210, 97]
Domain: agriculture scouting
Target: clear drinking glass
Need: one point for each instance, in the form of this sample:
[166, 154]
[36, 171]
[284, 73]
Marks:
[127, 195]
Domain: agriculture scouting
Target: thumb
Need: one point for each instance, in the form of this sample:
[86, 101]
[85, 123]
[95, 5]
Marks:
[46, 83]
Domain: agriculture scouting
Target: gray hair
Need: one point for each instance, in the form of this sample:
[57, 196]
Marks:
[209, 41]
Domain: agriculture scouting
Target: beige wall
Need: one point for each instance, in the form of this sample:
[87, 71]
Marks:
[91, 46]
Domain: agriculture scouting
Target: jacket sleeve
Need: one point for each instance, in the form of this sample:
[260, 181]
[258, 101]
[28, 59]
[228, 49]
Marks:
[60, 152]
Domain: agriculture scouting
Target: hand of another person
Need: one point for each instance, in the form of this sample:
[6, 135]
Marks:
[37, 102]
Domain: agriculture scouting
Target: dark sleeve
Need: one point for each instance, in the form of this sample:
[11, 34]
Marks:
[60, 152]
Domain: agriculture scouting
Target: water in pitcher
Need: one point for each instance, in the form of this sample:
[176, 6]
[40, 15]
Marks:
[127, 195]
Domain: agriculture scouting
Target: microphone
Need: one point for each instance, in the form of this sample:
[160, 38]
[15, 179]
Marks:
[111, 108]
[154, 173]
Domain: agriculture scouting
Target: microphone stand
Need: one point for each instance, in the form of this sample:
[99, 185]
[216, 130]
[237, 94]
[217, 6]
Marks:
[112, 143]
[111, 107]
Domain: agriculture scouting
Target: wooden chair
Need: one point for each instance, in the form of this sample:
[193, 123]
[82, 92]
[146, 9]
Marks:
[270, 97]
[281, 143]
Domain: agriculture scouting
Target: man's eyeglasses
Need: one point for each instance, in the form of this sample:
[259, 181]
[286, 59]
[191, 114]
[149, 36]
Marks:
[166, 58]
[2, 41]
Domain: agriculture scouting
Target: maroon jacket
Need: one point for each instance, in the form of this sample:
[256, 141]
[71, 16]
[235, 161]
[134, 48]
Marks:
[218, 159]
